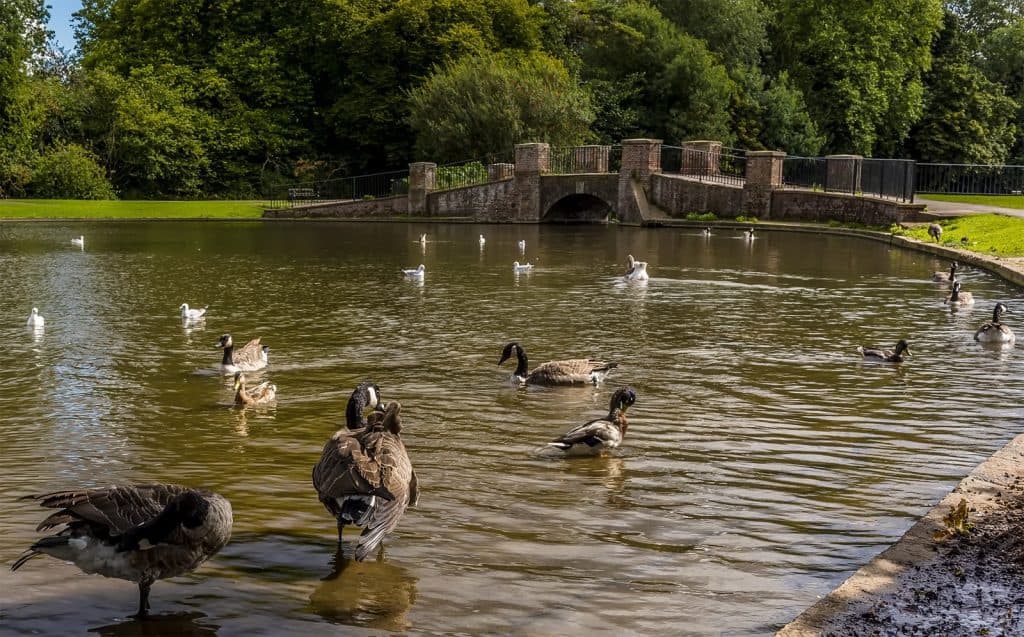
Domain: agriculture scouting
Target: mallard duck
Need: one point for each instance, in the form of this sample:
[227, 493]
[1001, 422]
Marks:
[522, 245]
[35, 319]
[365, 395]
[958, 298]
[593, 437]
[364, 477]
[192, 314]
[78, 241]
[578, 371]
[247, 359]
[261, 394]
[934, 231]
[884, 355]
[138, 533]
[416, 273]
[946, 277]
[995, 331]
[521, 268]
[635, 270]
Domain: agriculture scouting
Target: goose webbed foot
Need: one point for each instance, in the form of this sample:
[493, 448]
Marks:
[143, 600]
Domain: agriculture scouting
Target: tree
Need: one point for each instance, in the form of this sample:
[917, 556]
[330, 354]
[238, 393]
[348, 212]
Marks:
[69, 172]
[734, 29]
[486, 104]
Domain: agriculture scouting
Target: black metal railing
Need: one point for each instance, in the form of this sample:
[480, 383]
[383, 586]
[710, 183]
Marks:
[583, 159]
[363, 187]
[725, 166]
[804, 172]
[472, 172]
[969, 179]
[886, 178]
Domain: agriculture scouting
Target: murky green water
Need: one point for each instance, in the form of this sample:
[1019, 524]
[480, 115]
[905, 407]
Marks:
[764, 462]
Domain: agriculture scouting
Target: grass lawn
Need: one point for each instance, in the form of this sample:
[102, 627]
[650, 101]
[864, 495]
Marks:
[988, 234]
[1002, 201]
[86, 209]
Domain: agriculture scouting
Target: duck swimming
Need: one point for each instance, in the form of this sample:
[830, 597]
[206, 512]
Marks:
[895, 356]
[249, 358]
[415, 273]
[995, 331]
[596, 436]
[522, 268]
[35, 319]
[261, 394]
[78, 241]
[192, 314]
[578, 371]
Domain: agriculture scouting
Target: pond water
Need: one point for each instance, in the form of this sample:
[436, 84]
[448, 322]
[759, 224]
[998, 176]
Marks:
[763, 464]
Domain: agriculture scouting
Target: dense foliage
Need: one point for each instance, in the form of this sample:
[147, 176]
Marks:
[192, 98]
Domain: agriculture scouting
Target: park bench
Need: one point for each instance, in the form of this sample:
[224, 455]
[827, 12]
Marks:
[298, 194]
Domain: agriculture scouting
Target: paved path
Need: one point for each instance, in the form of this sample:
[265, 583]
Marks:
[955, 209]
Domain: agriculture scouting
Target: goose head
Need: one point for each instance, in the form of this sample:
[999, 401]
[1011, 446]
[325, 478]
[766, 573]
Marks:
[622, 399]
[902, 347]
[953, 267]
[225, 342]
[998, 311]
[365, 395]
[507, 351]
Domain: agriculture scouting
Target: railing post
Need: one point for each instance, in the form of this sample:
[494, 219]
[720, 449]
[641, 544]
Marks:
[532, 160]
[843, 173]
[421, 181]
[763, 173]
[641, 158]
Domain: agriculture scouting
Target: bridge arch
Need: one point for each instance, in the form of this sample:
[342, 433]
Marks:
[578, 208]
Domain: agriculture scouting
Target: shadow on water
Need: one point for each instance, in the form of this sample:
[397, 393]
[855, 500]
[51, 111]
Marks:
[373, 594]
[179, 624]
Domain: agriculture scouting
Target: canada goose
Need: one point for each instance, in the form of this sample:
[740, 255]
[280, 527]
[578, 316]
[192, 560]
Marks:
[522, 245]
[482, 241]
[748, 234]
[138, 533]
[192, 314]
[416, 273]
[635, 270]
[365, 478]
[934, 231]
[35, 319]
[78, 241]
[958, 298]
[946, 277]
[261, 394]
[423, 238]
[579, 371]
[884, 355]
[365, 395]
[247, 359]
[995, 331]
[519, 269]
[595, 436]
[706, 232]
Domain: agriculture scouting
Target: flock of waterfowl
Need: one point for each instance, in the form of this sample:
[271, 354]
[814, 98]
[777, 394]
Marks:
[364, 476]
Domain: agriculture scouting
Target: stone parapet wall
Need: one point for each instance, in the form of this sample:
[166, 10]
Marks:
[497, 201]
[678, 196]
[362, 209]
[805, 205]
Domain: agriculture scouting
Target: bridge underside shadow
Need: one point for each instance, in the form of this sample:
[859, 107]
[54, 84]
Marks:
[579, 208]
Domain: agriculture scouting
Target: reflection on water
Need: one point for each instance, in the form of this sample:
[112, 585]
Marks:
[764, 460]
[179, 624]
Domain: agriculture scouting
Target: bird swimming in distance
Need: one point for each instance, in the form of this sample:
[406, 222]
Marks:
[748, 234]
[78, 241]
[706, 232]
[482, 241]
[140, 533]
[995, 331]
[415, 273]
[192, 314]
[886, 356]
[636, 270]
[577, 371]
[946, 277]
[596, 436]
[522, 268]
[249, 358]
[35, 319]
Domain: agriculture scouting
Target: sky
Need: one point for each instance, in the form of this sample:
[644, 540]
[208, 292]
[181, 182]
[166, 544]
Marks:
[60, 20]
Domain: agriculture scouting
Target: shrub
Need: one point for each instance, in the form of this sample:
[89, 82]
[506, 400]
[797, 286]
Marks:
[69, 172]
[701, 216]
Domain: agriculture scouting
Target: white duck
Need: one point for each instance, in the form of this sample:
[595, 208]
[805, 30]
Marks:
[78, 241]
[35, 319]
[192, 314]
[416, 273]
[522, 245]
[636, 270]
[522, 268]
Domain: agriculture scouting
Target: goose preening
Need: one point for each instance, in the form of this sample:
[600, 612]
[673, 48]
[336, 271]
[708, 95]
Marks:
[261, 394]
[35, 319]
[192, 313]
[886, 356]
[578, 371]
[364, 477]
[522, 268]
[522, 245]
[365, 396]
[748, 234]
[138, 533]
[249, 358]
[946, 277]
[482, 241]
[934, 231]
[995, 331]
[957, 298]
[78, 241]
[415, 273]
[636, 270]
[591, 438]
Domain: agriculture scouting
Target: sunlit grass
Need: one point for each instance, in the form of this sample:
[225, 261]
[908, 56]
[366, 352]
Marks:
[1002, 201]
[84, 209]
[998, 235]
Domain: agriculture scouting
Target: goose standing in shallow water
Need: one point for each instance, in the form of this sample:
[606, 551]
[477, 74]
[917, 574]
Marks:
[137, 533]
[365, 478]
[79, 241]
[249, 358]
[886, 356]
[995, 331]
[261, 394]
[958, 298]
[946, 277]
[523, 268]
[593, 437]
[415, 273]
[192, 314]
[35, 319]
[578, 371]
[635, 270]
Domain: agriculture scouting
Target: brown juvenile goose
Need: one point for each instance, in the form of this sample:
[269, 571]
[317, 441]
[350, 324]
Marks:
[249, 358]
[946, 277]
[884, 355]
[138, 533]
[261, 394]
[364, 477]
[576, 371]
[595, 436]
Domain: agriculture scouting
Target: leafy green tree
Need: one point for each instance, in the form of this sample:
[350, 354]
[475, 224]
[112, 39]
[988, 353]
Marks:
[69, 172]
[486, 104]
[1002, 60]
[734, 29]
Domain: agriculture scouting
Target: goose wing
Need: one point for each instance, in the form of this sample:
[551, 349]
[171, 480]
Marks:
[348, 467]
[599, 432]
[399, 481]
[250, 355]
[263, 393]
[568, 372]
[116, 509]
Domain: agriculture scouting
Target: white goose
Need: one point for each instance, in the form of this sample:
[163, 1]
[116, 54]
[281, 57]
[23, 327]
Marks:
[636, 270]
[35, 319]
[416, 273]
[522, 268]
[192, 314]
[78, 241]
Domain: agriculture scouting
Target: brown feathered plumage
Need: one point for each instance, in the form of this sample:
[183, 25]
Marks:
[249, 358]
[364, 477]
[575, 371]
[261, 394]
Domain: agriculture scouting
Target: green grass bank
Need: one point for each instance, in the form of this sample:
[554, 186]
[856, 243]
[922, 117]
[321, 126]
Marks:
[116, 209]
[1014, 202]
[995, 235]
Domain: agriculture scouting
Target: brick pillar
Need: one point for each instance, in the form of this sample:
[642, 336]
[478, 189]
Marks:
[531, 162]
[591, 159]
[641, 158]
[497, 172]
[842, 173]
[763, 175]
[421, 181]
[700, 157]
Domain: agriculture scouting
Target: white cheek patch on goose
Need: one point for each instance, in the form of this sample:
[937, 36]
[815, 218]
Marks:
[373, 396]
